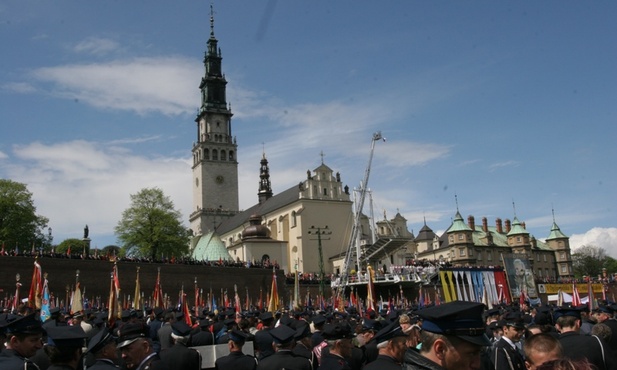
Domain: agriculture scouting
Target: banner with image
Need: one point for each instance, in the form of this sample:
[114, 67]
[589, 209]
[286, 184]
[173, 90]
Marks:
[520, 276]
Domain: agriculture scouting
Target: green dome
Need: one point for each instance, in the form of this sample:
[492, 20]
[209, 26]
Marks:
[210, 247]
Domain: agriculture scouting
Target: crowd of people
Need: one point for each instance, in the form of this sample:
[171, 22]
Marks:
[451, 336]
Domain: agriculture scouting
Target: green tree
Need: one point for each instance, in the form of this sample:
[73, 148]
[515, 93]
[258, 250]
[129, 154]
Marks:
[589, 260]
[19, 223]
[110, 250]
[77, 247]
[151, 227]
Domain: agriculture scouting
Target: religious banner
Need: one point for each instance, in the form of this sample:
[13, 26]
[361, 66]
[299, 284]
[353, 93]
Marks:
[520, 276]
[567, 288]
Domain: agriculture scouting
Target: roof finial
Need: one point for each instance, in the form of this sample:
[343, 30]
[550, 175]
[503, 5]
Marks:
[514, 207]
[322, 155]
[211, 19]
[553, 211]
[456, 201]
[263, 149]
[424, 217]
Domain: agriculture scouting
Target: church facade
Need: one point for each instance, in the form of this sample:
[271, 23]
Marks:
[308, 226]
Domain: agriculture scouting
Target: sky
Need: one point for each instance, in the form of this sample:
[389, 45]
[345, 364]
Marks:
[501, 109]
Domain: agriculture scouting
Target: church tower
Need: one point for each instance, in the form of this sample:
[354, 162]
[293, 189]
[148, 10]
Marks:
[215, 165]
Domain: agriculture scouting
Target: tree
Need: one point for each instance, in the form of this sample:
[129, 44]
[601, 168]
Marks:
[589, 260]
[77, 247]
[19, 224]
[151, 227]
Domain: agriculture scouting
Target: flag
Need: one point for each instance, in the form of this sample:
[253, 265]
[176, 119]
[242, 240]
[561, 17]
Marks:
[420, 298]
[76, 301]
[576, 299]
[237, 300]
[185, 310]
[559, 298]
[370, 290]
[137, 304]
[197, 301]
[501, 297]
[437, 297]
[114, 297]
[521, 298]
[157, 295]
[592, 300]
[296, 302]
[45, 302]
[36, 287]
[273, 304]
[68, 251]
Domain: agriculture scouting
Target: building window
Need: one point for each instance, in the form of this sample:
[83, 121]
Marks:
[451, 239]
[231, 155]
[223, 155]
[562, 255]
[215, 155]
[206, 154]
[293, 219]
[471, 253]
[544, 258]
[325, 191]
[479, 256]
[489, 256]
[539, 272]
[461, 237]
[546, 270]
[564, 269]
[518, 239]
[538, 257]
[462, 252]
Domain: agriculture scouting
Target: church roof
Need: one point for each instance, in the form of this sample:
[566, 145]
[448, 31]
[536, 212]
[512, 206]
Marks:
[271, 204]
[426, 233]
[210, 247]
[517, 228]
[458, 224]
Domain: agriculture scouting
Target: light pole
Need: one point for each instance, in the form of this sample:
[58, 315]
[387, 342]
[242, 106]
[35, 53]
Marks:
[320, 232]
[50, 238]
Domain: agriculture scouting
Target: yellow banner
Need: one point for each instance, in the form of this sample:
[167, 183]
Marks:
[567, 288]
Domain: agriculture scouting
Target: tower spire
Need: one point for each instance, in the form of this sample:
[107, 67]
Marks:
[211, 20]
[265, 188]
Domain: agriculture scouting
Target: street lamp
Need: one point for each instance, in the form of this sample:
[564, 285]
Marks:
[50, 238]
[320, 232]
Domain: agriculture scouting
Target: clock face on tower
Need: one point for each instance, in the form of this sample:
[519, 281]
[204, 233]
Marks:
[219, 179]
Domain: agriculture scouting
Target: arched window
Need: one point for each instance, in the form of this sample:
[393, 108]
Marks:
[206, 154]
[231, 155]
[293, 219]
[223, 155]
[215, 154]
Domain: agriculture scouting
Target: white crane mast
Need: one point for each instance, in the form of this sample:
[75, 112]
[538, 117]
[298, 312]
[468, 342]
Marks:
[354, 241]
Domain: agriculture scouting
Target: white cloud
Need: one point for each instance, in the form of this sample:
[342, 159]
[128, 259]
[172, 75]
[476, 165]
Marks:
[141, 85]
[497, 165]
[19, 87]
[598, 236]
[83, 182]
[3, 155]
[96, 46]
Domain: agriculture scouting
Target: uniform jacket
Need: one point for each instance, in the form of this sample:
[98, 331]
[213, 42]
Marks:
[263, 343]
[577, 346]
[415, 361]
[236, 361]
[10, 360]
[284, 359]
[331, 361]
[180, 356]
[383, 363]
[103, 364]
[507, 358]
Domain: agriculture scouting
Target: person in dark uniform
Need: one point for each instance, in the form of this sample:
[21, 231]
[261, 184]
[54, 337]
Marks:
[284, 358]
[506, 355]
[179, 355]
[337, 354]
[453, 335]
[236, 359]
[318, 324]
[263, 338]
[24, 337]
[204, 337]
[64, 346]
[303, 342]
[391, 343]
[136, 348]
[604, 315]
[576, 346]
[156, 323]
[102, 348]
[365, 340]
